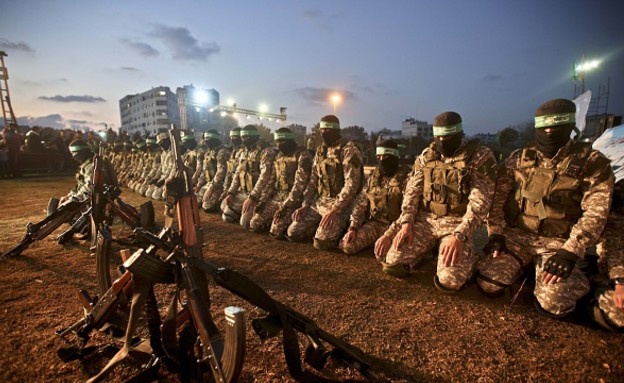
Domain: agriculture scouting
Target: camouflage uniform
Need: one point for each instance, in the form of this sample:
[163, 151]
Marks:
[334, 183]
[445, 195]
[211, 179]
[232, 164]
[168, 170]
[153, 171]
[289, 179]
[542, 205]
[250, 179]
[84, 179]
[375, 208]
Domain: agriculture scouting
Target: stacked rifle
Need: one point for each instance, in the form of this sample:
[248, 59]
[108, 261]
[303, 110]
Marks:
[187, 339]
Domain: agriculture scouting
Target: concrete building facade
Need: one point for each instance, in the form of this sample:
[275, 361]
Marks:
[150, 112]
[415, 128]
[195, 108]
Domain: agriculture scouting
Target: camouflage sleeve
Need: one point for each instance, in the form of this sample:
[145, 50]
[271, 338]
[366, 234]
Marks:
[154, 174]
[266, 168]
[302, 177]
[222, 158]
[267, 193]
[413, 193]
[482, 181]
[235, 180]
[597, 188]
[611, 246]
[82, 191]
[352, 170]
[227, 182]
[310, 191]
[504, 185]
[393, 229]
[199, 167]
[358, 215]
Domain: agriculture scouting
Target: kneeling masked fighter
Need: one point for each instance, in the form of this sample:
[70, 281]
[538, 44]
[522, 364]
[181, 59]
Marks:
[212, 171]
[336, 178]
[551, 202]
[290, 176]
[447, 198]
[252, 176]
[379, 203]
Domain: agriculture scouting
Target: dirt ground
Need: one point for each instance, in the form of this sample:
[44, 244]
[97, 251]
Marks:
[410, 330]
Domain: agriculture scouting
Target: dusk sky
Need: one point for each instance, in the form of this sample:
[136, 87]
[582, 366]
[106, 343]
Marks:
[492, 61]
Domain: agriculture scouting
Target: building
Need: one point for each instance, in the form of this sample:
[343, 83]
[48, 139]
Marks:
[416, 128]
[196, 108]
[487, 138]
[150, 112]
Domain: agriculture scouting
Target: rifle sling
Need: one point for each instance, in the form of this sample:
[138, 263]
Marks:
[250, 291]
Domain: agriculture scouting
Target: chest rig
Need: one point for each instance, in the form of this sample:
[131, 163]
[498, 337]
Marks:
[210, 162]
[330, 170]
[547, 201]
[250, 167]
[385, 195]
[446, 185]
[285, 170]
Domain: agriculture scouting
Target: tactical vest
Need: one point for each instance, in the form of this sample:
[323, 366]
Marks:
[330, 171]
[250, 167]
[384, 201]
[210, 162]
[233, 161]
[547, 201]
[446, 185]
[285, 169]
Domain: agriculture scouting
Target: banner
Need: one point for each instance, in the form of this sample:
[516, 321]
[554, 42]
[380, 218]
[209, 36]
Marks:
[611, 144]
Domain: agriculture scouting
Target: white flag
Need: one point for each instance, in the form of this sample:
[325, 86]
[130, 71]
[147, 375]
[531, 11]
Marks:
[582, 106]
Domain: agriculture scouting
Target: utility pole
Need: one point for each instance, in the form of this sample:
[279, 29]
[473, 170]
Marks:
[5, 99]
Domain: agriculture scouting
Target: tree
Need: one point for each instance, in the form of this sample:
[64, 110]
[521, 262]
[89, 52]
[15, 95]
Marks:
[300, 137]
[508, 137]
[354, 132]
[265, 133]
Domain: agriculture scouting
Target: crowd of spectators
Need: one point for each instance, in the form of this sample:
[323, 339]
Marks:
[24, 149]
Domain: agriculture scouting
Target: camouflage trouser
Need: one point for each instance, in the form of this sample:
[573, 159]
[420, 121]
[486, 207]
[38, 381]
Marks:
[308, 226]
[159, 193]
[610, 249]
[614, 315]
[428, 230]
[366, 237]
[232, 212]
[209, 196]
[497, 273]
[142, 190]
[262, 220]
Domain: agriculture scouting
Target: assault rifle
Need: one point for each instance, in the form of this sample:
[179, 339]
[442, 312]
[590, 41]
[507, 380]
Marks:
[39, 230]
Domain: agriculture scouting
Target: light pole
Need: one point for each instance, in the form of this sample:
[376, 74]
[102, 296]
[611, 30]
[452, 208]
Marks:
[335, 99]
[581, 70]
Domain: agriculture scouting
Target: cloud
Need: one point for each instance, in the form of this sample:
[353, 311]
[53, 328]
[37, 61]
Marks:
[129, 69]
[43, 83]
[142, 49]
[52, 120]
[57, 121]
[59, 98]
[493, 78]
[321, 95]
[183, 45]
[320, 18]
[9, 45]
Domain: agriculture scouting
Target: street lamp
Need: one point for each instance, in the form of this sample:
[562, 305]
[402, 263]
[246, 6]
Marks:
[581, 70]
[335, 98]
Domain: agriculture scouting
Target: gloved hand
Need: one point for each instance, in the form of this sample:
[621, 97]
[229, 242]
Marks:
[496, 243]
[561, 264]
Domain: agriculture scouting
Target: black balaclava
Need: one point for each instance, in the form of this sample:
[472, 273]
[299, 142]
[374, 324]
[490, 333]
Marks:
[189, 144]
[550, 143]
[211, 139]
[80, 151]
[330, 129]
[236, 141]
[249, 135]
[559, 116]
[449, 145]
[285, 141]
[165, 144]
[387, 155]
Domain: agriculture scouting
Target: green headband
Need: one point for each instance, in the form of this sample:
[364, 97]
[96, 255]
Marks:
[209, 135]
[447, 130]
[188, 138]
[235, 133]
[383, 151]
[283, 136]
[554, 120]
[77, 148]
[249, 133]
[150, 141]
[329, 125]
[140, 144]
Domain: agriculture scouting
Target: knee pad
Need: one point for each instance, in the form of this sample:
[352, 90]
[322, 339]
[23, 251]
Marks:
[547, 313]
[397, 270]
[324, 244]
[447, 290]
